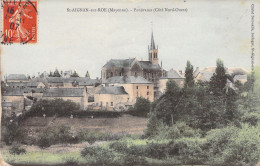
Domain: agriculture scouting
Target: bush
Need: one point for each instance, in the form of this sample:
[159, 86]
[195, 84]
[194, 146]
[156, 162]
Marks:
[71, 161]
[54, 135]
[133, 160]
[141, 107]
[58, 107]
[17, 150]
[98, 155]
[12, 132]
[178, 130]
[188, 150]
[234, 146]
[118, 146]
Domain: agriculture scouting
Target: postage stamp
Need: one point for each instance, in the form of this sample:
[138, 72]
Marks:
[19, 22]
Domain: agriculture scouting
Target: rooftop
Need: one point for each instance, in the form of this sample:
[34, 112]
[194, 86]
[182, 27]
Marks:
[127, 80]
[116, 90]
[119, 63]
[16, 77]
[64, 92]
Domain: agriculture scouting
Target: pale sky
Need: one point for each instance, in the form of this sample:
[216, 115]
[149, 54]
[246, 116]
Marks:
[86, 41]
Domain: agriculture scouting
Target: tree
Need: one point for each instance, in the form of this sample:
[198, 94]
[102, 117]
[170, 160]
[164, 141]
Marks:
[56, 73]
[51, 74]
[189, 78]
[141, 107]
[87, 75]
[166, 108]
[219, 79]
[75, 74]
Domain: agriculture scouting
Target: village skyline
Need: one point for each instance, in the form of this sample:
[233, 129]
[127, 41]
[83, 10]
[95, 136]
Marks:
[193, 35]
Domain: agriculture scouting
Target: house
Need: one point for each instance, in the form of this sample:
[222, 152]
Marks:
[16, 78]
[112, 98]
[241, 78]
[77, 95]
[16, 84]
[72, 82]
[233, 74]
[13, 100]
[171, 75]
[34, 84]
[135, 86]
[150, 70]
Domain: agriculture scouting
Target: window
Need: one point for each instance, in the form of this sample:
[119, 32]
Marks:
[136, 87]
[137, 94]
[135, 74]
[147, 87]
[147, 93]
[112, 104]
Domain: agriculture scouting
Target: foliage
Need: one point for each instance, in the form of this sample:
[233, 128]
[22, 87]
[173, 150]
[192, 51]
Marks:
[189, 78]
[17, 150]
[12, 132]
[54, 135]
[141, 107]
[118, 146]
[71, 161]
[178, 130]
[219, 79]
[233, 145]
[99, 155]
[75, 74]
[56, 73]
[58, 107]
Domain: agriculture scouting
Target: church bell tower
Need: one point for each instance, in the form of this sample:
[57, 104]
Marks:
[153, 52]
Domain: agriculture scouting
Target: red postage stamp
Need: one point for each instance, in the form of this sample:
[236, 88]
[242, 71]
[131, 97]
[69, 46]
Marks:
[19, 22]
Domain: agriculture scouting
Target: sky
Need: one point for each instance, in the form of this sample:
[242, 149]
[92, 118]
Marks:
[84, 41]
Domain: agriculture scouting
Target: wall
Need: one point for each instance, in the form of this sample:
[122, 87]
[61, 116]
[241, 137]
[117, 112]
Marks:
[17, 102]
[106, 100]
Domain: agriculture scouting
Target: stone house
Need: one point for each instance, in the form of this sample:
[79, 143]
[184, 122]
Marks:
[171, 75]
[111, 98]
[135, 86]
[77, 95]
[72, 82]
[12, 98]
[34, 84]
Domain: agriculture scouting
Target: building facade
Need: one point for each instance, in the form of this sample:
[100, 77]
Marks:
[150, 70]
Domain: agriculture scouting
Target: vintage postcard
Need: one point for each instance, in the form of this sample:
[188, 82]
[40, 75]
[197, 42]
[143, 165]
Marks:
[132, 82]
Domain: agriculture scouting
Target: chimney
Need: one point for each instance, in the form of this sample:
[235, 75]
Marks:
[180, 71]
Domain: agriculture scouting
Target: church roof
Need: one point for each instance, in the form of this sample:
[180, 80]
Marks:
[16, 77]
[127, 80]
[119, 63]
[64, 92]
[149, 65]
[116, 90]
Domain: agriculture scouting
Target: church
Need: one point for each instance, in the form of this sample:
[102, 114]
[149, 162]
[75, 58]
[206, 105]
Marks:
[151, 70]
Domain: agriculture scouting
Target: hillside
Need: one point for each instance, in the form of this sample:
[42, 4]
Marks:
[125, 124]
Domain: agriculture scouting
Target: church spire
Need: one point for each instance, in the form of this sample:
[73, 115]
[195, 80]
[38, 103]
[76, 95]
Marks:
[152, 42]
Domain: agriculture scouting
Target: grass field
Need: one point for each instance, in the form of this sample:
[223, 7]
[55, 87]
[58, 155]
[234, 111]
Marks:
[125, 124]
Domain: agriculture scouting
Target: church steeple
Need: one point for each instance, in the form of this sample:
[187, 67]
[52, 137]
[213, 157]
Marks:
[153, 51]
[152, 42]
